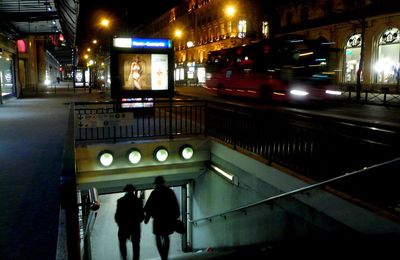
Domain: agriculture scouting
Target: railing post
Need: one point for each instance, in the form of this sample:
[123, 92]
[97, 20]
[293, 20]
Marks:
[234, 133]
[170, 119]
[205, 119]
[385, 91]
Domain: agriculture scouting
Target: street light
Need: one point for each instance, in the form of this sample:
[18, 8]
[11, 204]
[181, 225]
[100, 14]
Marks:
[178, 33]
[104, 22]
[230, 11]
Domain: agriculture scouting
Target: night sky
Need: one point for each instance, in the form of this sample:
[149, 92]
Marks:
[124, 14]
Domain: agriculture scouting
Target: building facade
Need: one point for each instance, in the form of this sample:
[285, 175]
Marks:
[365, 30]
[200, 26]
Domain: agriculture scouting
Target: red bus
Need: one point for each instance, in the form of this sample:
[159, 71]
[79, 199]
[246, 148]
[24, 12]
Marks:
[278, 69]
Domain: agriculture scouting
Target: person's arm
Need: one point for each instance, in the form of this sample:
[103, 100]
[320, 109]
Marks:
[117, 215]
[148, 209]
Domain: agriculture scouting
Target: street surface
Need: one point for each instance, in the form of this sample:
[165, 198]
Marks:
[373, 115]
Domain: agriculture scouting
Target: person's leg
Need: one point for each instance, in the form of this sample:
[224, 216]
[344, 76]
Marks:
[136, 246]
[122, 243]
[166, 246]
[162, 242]
[159, 245]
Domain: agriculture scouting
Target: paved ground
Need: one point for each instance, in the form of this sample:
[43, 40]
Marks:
[32, 133]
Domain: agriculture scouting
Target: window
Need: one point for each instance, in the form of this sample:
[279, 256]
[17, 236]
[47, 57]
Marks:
[6, 73]
[352, 59]
[242, 28]
[265, 29]
[387, 65]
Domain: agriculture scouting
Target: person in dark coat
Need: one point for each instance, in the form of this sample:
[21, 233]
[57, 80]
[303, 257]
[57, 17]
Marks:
[163, 207]
[129, 215]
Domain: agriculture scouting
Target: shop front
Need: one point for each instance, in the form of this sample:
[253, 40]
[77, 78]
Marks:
[7, 71]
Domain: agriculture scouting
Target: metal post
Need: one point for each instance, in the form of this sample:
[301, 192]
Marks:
[186, 66]
[1, 93]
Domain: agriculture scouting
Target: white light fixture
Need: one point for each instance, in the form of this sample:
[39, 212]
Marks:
[186, 152]
[228, 176]
[134, 156]
[161, 154]
[106, 158]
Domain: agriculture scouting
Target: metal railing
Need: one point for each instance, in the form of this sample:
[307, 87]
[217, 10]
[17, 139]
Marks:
[387, 95]
[367, 170]
[316, 147]
[165, 118]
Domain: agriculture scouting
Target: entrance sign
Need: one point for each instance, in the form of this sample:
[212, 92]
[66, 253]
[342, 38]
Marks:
[104, 120]
[141, 67]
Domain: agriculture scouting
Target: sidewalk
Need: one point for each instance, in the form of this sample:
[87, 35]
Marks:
[32, 134]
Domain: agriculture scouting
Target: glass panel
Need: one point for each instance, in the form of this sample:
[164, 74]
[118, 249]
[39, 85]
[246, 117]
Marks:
[242, 28]
[352, 64]
[265, 29]
[6, 76]
[387, 66]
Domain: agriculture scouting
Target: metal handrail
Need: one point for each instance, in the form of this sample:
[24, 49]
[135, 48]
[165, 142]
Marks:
[289, 193]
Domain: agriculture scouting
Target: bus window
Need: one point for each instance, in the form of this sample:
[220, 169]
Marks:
[228, 73]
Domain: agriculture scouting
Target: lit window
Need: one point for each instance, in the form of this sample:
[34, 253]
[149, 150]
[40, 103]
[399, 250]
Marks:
[265, 29]
[161, 154]
[106, 158]
[242, 28]
[352, 58]
[388, 63]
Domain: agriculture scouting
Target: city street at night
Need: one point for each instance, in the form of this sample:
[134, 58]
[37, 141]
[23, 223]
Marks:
[199, 129]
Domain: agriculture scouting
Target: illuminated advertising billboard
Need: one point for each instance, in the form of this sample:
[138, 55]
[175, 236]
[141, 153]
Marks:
[141, 68]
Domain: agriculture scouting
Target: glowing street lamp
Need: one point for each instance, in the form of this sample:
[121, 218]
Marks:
[104, 22]
[230, 11]
[178, 33]
[94, 41]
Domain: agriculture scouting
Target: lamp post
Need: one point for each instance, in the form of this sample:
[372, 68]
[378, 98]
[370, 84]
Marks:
[230, 13]
[189, 44]
[177, 35]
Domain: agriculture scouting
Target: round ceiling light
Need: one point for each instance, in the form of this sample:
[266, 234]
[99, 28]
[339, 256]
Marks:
[161, 154]
[134, 156]
[186, 152]
[106, 158]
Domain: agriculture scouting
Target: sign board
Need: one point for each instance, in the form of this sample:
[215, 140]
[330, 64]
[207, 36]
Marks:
[104, 120]
[141, 67]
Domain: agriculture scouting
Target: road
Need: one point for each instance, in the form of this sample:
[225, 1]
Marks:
[387, 117]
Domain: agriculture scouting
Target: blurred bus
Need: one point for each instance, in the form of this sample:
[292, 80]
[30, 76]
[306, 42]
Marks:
[287, 69]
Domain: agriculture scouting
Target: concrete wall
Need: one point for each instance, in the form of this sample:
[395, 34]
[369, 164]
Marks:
[315, 214]
[175, 170]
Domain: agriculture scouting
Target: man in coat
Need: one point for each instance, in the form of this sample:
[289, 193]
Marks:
[128, 216]
[163, 207]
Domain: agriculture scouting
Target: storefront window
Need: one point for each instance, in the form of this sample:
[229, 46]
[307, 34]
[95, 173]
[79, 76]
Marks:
[388, 63]
[242, 28]
[352, 59]
[265, 29]
[201, 74]
[6, 74]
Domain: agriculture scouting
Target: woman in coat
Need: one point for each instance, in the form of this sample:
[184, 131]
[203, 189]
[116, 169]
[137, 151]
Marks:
[163, 207]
